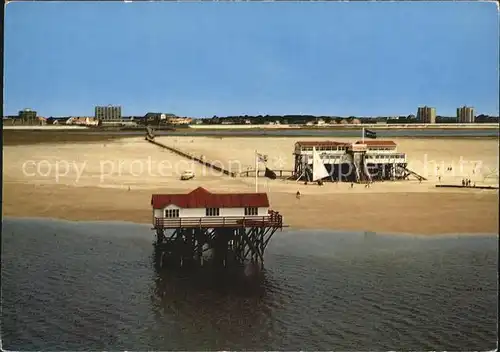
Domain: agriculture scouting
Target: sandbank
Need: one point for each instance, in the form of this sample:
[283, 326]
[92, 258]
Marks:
[113, 179]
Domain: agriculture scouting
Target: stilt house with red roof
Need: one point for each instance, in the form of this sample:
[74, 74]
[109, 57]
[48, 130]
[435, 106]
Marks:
[236, 226]
[201, 206]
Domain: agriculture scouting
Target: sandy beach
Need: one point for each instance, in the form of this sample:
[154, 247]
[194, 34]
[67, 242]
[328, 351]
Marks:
[113, 179]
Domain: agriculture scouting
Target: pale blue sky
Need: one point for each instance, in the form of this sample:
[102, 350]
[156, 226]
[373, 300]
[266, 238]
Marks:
[231, 58]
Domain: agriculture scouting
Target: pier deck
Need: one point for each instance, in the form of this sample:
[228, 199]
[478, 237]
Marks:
[192, 157]
[470, 187]
[224, 221]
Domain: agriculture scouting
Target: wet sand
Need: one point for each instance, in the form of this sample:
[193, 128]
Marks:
[23, 137]
[113, 179]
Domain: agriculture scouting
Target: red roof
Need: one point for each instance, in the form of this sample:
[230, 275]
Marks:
[377, 143]
[201, 198]
[321, 143]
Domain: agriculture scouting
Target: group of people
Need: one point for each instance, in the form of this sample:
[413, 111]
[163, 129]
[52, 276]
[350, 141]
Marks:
[468, 183]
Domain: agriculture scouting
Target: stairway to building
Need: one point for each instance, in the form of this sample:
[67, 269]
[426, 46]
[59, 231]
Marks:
[413, 173]
[360, 168]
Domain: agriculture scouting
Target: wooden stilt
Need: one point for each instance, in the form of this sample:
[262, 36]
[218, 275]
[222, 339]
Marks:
[244, 241]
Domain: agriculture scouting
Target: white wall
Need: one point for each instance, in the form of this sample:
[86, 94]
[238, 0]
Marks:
[240, 212]
[232, 212]
[200, 212]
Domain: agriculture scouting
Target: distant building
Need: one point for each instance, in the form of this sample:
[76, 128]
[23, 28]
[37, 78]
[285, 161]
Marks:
[465, 114]
[109, 112]
[82, 121]
[426, 114]
[179, 120]
[28, 117]
[158, 117]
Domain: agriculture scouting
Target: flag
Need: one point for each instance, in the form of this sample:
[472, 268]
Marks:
[262, 158]
[270, 174]
[370, 134]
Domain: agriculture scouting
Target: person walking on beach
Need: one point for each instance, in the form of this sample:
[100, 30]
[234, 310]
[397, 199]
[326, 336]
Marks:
[352, 184]
[297, 195]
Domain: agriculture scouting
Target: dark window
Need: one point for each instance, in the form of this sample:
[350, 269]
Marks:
[172, 213]
[212, 212]
[249, 211]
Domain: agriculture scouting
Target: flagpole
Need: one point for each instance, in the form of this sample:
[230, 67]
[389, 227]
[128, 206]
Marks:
[256, 172]
[363, 135]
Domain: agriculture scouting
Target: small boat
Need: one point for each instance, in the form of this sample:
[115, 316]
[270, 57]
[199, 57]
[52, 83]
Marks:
[187, 175]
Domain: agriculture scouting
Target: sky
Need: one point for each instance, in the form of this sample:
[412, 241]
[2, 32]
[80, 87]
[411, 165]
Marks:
[201, 59]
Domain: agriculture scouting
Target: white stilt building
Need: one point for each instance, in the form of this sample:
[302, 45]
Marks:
[360, 161]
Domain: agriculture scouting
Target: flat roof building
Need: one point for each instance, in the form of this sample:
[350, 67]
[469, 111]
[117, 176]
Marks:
[465, 114]
[28, 117]
[109, 112]
[426, 114]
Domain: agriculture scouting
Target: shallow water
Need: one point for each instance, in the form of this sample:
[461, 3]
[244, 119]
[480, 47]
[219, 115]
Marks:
[92, 286]
[474, 133]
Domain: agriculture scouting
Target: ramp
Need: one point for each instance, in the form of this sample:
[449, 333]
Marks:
[356, 163]
[362, 174]
[191, 157]
[413, 173]
[366, 171]
[149, 133]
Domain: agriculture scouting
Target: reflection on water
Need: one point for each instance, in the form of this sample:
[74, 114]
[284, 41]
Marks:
[93, 286]
[230, 310]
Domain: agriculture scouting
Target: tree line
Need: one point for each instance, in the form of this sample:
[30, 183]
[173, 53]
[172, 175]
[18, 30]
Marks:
[304, 119]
